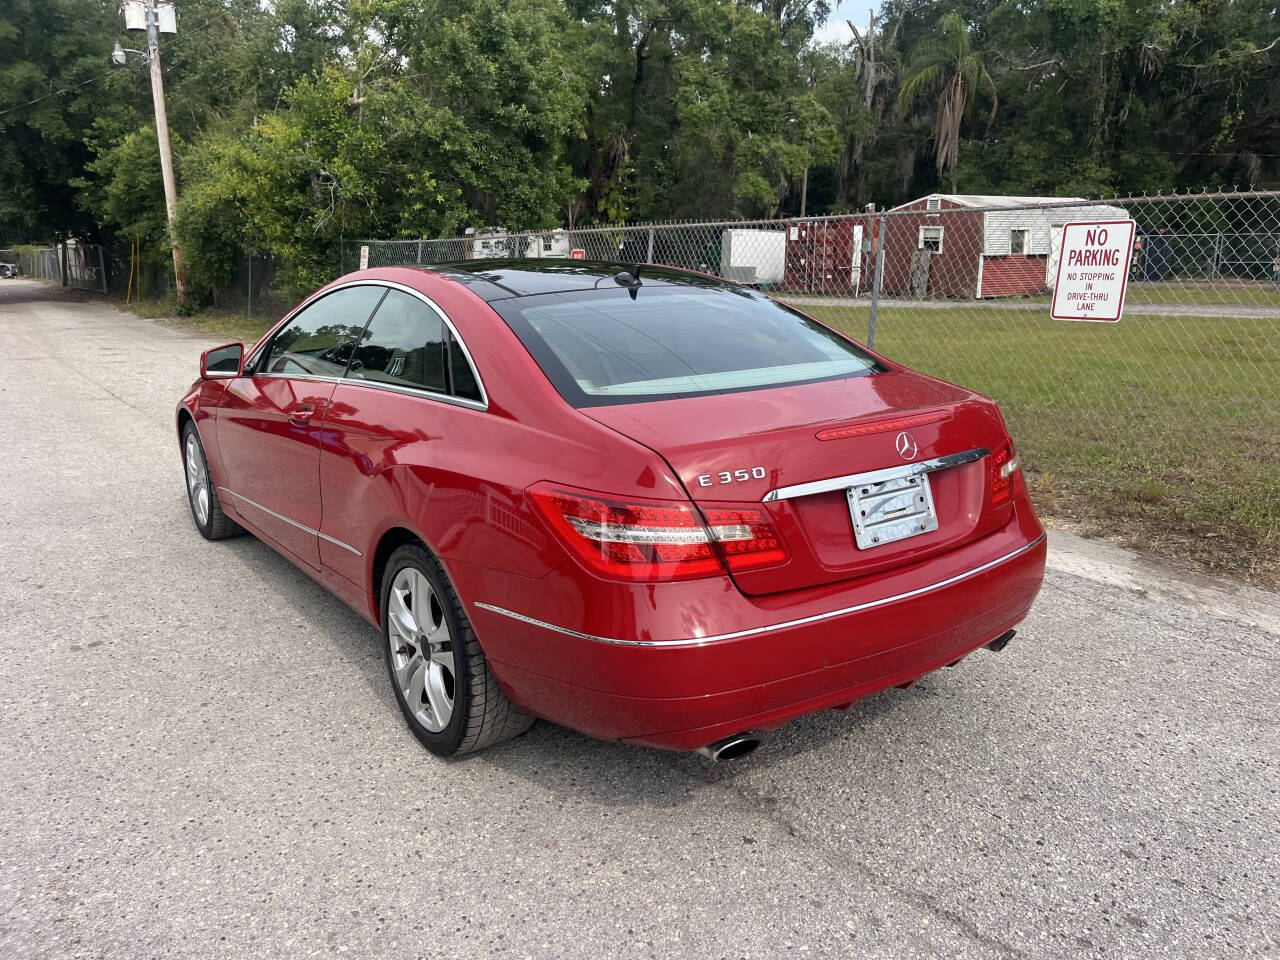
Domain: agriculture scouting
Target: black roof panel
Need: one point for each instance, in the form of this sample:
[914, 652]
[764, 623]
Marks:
[501, 279]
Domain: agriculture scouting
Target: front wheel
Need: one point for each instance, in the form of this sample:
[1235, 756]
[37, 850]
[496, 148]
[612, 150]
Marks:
[442, 682]
[206, 510]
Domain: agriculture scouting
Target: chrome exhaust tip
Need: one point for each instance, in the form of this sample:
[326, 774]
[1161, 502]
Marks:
[730, 748]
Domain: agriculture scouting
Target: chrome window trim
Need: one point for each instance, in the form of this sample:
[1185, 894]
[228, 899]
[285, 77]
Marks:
[481, 404]
[772, 627]
[298, 376]
[293, 523]
[418, 392]
[875, 476]
[376, 385]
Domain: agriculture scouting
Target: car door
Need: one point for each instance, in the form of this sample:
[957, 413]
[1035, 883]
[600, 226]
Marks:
[269, 421]
[392, 422]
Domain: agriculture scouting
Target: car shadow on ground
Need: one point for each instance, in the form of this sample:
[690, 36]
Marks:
[622, 774]
[558, 759]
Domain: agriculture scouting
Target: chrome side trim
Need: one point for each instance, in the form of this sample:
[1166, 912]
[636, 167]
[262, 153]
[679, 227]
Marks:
[291, 522]
[875, 476]
[772, 627]
[416, 392]
[481, 404]
[338, 543]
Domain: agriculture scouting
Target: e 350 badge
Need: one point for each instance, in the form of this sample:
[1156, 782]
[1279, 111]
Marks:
[731, 476]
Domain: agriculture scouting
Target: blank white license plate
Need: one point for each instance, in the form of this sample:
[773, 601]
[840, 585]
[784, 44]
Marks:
[891, 509]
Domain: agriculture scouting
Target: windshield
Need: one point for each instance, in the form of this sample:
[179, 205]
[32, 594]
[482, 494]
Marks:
[601, 347]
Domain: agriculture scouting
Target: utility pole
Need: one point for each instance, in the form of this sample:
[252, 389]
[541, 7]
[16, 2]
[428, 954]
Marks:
[166, 157]
[151, 18]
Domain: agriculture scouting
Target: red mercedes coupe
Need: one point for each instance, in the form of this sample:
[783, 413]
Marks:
[647, 504]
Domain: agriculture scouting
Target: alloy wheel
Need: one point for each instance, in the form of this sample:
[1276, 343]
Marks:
[421, 649]
[197, 481]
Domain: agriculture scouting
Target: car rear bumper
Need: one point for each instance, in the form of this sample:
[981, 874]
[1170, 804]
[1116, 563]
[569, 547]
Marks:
[739, 671]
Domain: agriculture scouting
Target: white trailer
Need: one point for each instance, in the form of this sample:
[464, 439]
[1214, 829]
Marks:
[488, 244]
[552, 244]
[753, 256]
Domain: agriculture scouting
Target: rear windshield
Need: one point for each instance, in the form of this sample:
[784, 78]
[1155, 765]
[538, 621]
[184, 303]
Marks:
[602, 347]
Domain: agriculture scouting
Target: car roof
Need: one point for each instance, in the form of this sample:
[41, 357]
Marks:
[503, 279]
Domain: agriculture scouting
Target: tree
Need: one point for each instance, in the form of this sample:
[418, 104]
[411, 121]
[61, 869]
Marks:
[53, 64]
[406, 133]
[948, 68]
[297, 122]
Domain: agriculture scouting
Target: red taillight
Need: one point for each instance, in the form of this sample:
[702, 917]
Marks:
[656, 539]
[1006, 475]
[746, 537]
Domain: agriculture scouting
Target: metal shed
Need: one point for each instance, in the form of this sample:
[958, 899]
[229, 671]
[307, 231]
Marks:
[980, 245]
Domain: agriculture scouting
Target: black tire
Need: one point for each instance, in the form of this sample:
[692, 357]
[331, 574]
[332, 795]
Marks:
[217, 525]
[481, 713]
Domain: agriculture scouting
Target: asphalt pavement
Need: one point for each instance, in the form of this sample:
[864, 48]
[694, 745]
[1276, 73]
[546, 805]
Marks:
[202, 756]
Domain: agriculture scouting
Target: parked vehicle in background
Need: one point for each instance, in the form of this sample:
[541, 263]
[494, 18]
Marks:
[652, 506]
[9, 270]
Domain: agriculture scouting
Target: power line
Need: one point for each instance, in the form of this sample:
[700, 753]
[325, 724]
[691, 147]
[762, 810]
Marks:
[56, 93]
[85, 83]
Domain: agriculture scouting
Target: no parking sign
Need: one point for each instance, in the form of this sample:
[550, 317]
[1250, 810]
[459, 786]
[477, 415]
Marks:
[1093, 271]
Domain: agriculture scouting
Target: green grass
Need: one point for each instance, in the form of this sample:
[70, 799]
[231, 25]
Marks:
[1227, 293]
[216, 324]
[1222, 293]
[1165, 430]
[227, 326]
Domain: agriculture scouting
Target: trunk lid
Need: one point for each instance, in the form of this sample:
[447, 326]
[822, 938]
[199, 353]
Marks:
[738, 447]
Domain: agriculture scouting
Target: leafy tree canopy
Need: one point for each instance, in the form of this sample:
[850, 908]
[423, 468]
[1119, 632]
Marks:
[300, 121]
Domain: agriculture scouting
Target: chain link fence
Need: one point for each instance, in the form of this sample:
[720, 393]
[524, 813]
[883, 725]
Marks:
[1174, 411]
[72, 264]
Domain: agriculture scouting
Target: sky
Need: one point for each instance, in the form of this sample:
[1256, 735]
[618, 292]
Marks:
[836, 30]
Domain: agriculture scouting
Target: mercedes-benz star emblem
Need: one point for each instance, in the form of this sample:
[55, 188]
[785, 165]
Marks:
[906, 445]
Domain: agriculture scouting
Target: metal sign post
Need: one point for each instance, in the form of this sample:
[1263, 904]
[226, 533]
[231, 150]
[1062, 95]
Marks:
[875, 289]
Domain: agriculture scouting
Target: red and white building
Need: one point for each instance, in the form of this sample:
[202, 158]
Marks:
[962, 246]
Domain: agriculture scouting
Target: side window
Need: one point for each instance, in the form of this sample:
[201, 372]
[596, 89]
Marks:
[1017, 242]
[403, 345]
[318, 341]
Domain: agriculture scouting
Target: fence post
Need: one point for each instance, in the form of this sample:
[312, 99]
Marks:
[102, 269]
[419, 251]
[875, 288]
[248, 294]
[650, 260]
[62, 272]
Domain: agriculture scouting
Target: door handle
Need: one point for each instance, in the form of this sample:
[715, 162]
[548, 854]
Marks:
[302, 413]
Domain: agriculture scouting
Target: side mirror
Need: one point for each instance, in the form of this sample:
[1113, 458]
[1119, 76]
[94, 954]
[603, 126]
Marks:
[224, 361]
